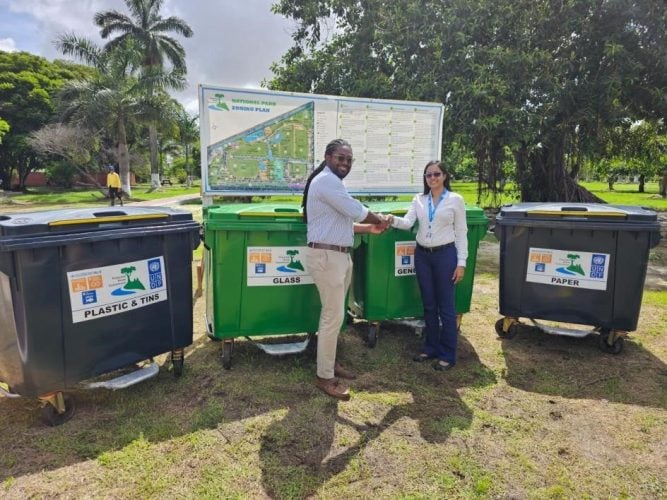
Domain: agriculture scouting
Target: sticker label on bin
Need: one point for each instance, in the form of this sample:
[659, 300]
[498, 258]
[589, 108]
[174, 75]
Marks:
[277, 266]
[104, 291]
[404, 258]
[569, 268]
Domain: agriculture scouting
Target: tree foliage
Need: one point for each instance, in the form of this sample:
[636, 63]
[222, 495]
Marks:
[74, 144]
[28, 86]
[4, 128]
[536, 81]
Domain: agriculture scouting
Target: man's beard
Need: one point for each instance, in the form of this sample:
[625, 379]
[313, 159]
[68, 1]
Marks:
[338, 174]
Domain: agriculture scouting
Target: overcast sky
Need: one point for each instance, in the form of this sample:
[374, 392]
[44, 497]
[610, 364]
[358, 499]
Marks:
[234, 41]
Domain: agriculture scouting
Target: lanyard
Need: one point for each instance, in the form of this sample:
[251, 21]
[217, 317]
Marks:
[431, 208]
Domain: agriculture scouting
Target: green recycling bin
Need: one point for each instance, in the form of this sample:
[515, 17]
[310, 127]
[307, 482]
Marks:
[256, 283]
[384, 284]
[88, 291]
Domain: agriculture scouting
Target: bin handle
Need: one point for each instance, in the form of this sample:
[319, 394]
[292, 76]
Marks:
[277, 214]
[113, 218]
[576, 212]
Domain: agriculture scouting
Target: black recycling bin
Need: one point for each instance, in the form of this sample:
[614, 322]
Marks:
[574, 263]
[85, 292]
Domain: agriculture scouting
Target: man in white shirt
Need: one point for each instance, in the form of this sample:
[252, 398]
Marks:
[333, 217]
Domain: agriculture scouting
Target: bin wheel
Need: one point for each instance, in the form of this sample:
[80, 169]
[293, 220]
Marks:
[372, 339]
[603, 342]
[227, 348]
[177, 363]
[511, 331]
[53, 417]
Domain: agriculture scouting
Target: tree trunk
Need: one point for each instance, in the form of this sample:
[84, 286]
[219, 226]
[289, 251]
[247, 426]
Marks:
[152, 140]
[610, 182]
[124, 160]
[542, 176]
[642, 183]
[663, 185]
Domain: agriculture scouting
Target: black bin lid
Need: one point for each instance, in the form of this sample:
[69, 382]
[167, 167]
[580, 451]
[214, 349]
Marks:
[576, 212]
[88, 219]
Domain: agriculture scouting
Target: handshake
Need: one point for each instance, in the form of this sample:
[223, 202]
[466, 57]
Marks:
[385, 221]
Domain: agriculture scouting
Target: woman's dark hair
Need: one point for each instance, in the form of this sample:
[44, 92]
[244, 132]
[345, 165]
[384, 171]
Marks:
[330, 149]
[427, 190]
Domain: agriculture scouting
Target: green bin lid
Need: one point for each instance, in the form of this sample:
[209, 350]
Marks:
[253, 211]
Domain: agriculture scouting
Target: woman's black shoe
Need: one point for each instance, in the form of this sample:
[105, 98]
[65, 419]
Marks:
[441, 365]
[420, 358]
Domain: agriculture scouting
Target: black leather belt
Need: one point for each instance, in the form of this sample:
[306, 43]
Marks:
[435, 249]
[326, 246]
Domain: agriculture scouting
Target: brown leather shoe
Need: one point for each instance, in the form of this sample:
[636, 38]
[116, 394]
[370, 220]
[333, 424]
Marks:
[333, 387]
[341, 372]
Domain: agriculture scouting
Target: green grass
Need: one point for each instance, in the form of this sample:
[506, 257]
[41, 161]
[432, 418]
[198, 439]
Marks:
[50, 196]
[627, 194]
[623, 194]
[530, 417]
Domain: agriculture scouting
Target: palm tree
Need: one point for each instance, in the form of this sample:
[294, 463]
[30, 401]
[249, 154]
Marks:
[108, 101]
[149, 32]
[188, 133]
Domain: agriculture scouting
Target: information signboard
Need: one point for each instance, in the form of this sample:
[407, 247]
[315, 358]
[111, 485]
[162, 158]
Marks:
[260, 142]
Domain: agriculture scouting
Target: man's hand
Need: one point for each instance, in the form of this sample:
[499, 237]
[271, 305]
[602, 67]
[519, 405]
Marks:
[376, 228]
[385, 220]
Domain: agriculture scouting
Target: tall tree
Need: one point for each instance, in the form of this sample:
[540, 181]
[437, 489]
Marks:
[188, 135]
[538, 78]
[149, 32]
[108, 101]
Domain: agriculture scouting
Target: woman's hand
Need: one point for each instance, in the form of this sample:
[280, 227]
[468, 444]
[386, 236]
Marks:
[459, 272]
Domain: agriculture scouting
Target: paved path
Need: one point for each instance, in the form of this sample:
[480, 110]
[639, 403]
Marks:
[174, 200]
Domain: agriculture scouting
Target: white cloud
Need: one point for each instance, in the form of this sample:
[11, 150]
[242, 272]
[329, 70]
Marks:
[234, 42]
[7, 45]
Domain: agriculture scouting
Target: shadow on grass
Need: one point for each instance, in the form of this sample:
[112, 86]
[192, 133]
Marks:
[576, 368]
[299, 450]
[319, 438]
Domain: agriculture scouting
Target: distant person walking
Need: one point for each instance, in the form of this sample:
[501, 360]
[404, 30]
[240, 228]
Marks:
[113, 183]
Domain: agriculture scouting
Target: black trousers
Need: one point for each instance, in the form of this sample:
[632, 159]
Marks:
[116, 193]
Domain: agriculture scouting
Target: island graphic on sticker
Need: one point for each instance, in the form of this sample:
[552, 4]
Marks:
[573, 269]
[293, 264]
[131, 285]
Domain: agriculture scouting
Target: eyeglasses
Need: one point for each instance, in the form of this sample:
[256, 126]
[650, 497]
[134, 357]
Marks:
[433, 174]
[342, 158]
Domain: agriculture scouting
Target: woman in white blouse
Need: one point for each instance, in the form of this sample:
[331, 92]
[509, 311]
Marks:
[440, 259]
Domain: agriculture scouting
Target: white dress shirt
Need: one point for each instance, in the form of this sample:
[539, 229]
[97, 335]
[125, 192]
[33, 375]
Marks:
[332, 212]
[448, 224]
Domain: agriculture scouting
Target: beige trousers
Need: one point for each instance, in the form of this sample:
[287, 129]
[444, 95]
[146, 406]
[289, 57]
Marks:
[332, 274]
